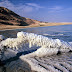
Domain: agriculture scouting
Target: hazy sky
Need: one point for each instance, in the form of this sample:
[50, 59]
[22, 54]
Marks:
[42, 10]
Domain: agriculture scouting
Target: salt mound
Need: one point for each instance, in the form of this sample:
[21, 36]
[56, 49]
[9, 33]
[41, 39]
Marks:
[47, 46]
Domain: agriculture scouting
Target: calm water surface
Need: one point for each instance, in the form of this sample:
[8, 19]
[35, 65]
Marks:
[63, 32]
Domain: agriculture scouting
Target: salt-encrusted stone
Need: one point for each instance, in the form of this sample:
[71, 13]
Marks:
[24, 40]
[1, 38]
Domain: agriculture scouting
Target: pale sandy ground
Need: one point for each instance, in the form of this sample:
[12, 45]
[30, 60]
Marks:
[6, 27]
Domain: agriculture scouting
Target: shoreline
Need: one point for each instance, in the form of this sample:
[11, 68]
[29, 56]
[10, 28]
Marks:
[10, 27]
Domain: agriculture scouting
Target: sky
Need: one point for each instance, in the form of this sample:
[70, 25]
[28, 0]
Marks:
[42, 10]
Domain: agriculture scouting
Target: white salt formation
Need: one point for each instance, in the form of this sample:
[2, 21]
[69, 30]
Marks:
[47, 46]
[55, 63]
[11, 46]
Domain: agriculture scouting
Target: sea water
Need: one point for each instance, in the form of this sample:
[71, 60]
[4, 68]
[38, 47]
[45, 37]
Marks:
[47, 64]
[63, 32]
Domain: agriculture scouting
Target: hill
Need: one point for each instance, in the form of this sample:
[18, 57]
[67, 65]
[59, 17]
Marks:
[8, 17]
[11, 20]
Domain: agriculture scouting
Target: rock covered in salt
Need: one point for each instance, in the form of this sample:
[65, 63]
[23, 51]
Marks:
[1, 38]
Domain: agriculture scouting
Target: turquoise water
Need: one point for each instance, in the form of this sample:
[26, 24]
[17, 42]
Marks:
[63, 32]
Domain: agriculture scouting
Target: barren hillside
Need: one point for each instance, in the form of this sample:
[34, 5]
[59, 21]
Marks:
[8, 17]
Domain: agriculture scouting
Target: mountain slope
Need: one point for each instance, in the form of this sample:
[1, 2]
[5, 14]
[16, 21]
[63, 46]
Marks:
[8, 17]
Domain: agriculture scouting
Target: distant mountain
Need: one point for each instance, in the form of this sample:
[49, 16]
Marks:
[8, 17]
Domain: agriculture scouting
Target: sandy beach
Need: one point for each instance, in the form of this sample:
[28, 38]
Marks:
[7, 27]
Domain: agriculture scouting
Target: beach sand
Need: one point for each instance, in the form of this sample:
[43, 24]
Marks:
[7, 27]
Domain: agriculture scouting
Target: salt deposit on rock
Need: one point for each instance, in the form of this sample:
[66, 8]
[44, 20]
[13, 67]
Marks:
[41, 60]
[55, 63]
[24, 40]
[47, 46]
[1, 38]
